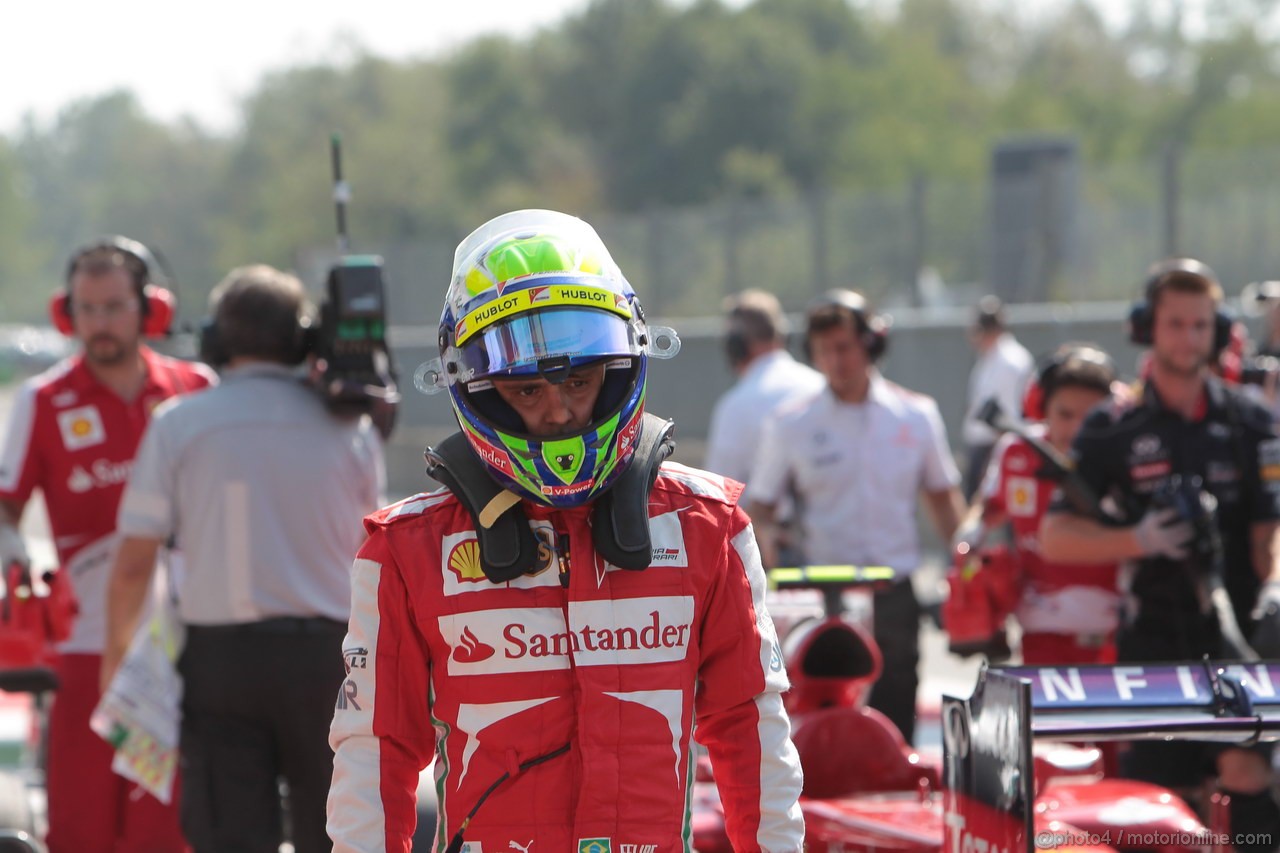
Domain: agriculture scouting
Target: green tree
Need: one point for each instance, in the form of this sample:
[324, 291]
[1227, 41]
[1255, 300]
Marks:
[22, 255]
[104, 167]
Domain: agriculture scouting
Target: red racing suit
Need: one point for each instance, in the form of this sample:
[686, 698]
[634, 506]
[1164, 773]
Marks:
[616, 665]
[1068, 613]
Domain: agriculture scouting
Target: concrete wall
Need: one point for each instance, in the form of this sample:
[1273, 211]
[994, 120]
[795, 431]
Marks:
[928, 352]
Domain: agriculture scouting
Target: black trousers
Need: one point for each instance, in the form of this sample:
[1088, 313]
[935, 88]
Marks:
[897, 633]
[975, 468]
[256, 706]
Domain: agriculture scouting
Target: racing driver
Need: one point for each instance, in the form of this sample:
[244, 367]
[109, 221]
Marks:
[552, 623]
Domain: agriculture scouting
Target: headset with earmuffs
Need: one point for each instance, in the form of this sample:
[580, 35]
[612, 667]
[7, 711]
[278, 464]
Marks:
[737, 346]
[157, 305]
[1142, 314]
[214, 352]
[872, 328]
[1045, 382]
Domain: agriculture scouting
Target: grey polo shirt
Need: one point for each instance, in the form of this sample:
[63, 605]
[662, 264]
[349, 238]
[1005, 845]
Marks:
[264, 491]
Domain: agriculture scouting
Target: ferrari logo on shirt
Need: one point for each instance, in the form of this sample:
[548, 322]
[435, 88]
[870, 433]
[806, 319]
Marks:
[81, 427]
[594, 845]
[1021, 496]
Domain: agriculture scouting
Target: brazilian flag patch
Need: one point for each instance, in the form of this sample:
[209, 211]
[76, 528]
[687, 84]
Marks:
[595, 845]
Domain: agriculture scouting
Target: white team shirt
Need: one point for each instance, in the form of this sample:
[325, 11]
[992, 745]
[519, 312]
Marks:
[770, 381]
[1000, 372]
[858, 469]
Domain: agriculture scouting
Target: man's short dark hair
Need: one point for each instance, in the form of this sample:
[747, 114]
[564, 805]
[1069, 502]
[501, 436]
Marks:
[261, 312]
[757, 315]
[99, 260]
[1078, 365]
[1181, 275]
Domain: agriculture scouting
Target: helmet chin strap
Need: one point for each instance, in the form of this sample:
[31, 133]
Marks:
[620, 517]
[508, 548]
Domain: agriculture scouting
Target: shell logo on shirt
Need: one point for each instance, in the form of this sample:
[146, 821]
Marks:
[462, 572]
[1021, 496]
[81, 427]
[464, 561]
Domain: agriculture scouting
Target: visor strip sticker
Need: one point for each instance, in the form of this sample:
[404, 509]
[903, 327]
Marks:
[546, 296]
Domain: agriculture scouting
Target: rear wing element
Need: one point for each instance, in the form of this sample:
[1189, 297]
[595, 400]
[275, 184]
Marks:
[1229, 702]
[988, 777]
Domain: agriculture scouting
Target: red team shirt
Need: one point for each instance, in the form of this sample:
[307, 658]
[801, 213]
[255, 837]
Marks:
[1077, 601]
[75, 439]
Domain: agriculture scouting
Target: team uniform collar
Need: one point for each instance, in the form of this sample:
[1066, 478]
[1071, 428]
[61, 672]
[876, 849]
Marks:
[879, 391]
[82, 379]
[1213, 401]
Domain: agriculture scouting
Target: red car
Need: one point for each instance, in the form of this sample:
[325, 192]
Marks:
[867, 790]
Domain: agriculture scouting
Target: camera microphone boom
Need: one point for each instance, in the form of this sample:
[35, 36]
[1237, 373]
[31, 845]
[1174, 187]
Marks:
[357, 374]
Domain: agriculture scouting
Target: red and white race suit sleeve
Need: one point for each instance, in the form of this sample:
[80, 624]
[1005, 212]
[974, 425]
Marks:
[381, 733]
[740, 719]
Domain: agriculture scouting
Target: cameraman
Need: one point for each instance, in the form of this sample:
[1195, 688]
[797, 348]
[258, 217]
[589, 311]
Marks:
[1183, 426]
[264, 490]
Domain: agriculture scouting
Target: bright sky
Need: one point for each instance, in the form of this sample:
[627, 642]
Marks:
[199, 58]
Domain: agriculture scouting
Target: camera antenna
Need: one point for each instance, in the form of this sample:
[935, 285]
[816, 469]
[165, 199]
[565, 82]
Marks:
[341, 193]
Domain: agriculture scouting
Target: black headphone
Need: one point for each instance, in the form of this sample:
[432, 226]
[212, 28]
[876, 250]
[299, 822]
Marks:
[736, 346]
[1142, 315]
[872, 328]
[214, 352]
